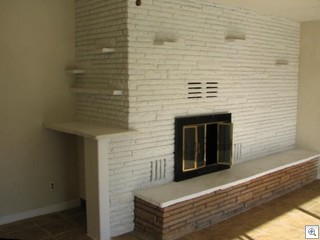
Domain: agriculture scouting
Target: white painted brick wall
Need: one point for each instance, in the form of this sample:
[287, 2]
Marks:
[102, 24]
[261, 96]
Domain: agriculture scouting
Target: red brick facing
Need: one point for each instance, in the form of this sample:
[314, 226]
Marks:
[152, 222]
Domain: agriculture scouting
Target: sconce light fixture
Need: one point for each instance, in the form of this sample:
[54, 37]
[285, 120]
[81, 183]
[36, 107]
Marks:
[138, 3]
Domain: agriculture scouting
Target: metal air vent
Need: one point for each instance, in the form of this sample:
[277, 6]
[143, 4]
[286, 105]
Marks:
[202, 90]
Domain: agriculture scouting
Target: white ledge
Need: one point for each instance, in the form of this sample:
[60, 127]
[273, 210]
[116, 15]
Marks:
[108, 50]
[97, 91]
[282, 62]
[175, 192]
[75, 71]
[165, 43]
[87, 130]
[234, 38]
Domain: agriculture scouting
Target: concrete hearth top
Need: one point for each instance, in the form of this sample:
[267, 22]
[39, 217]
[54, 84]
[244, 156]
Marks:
[175, 192]
[88, 130]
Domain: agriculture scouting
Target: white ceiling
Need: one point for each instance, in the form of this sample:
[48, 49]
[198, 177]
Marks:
[297, 10]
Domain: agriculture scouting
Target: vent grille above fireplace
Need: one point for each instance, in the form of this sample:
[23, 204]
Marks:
[202, 89]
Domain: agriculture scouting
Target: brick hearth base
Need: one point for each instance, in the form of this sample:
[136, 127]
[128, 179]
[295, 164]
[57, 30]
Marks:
[153, 222]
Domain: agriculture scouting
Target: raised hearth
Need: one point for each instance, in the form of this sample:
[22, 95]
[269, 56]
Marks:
[172, 210]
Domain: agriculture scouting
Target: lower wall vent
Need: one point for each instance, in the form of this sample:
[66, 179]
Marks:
[158, 170]
[237, 152]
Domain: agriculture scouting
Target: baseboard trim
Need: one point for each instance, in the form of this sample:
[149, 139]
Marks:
[40, 211]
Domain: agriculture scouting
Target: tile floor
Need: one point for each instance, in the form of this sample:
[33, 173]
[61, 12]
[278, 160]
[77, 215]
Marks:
[283, 218]
[66, 225]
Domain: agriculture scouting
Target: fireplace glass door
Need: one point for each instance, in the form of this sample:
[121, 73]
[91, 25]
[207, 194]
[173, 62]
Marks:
[206, 144]
[203, 144]
[193, 147]
[224, 143]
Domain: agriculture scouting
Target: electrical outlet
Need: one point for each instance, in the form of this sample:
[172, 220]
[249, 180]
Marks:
[52, 186]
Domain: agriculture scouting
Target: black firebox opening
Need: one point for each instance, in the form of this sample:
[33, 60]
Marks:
[203, 144]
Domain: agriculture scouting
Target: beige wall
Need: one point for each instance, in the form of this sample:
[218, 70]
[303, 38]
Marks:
[36, 43]
[308, 128]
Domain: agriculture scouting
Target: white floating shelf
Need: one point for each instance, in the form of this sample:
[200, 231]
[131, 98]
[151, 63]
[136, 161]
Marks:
[76, 71]
[108, 50]
[165, 43]
[234, 38]
[97, 91]
[282, 62]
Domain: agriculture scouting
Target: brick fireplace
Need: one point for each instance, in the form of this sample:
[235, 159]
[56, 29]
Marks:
[176, 59]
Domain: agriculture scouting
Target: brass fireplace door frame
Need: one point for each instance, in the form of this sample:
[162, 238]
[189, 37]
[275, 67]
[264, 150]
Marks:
[224, 147]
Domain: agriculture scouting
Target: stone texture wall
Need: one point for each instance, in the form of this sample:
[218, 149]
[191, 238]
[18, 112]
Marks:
[261, 95]
[175, 46]
[172, 59]
[102, 24]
